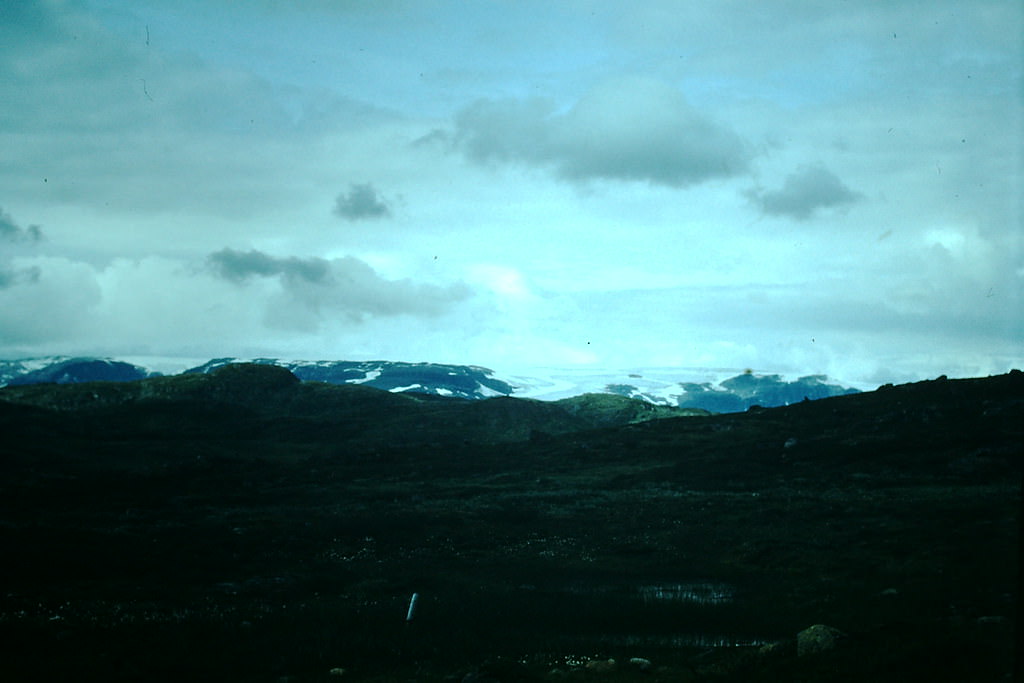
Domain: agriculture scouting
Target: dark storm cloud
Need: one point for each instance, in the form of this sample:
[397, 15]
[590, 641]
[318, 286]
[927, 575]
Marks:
[241, 265]
[802, 193]
[12, 232]
[362, 201]
[346, 286]
[628, 129]
[11, 276]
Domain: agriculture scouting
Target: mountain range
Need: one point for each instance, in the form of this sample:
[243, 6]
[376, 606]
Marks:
[664, 387]
[265, 391]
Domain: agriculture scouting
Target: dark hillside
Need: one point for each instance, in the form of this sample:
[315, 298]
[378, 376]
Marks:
[277, 396]
[242, 525]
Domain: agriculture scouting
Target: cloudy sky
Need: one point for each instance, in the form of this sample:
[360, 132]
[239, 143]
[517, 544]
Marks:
[789, 186]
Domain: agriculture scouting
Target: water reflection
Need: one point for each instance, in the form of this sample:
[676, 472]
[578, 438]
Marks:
[685, 640]
[657, 599]
[694, 593]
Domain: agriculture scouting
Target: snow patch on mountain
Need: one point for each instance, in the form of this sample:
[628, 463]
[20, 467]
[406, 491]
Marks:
[461, 381]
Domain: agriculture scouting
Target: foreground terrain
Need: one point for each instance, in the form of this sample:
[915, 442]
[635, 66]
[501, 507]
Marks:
[247, 527]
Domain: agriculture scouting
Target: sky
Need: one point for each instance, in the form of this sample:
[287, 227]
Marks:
[794, 187]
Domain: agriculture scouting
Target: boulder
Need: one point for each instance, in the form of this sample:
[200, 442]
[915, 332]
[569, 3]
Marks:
[640, 664]
[817, 638]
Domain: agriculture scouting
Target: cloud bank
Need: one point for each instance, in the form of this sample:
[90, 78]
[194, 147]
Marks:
[346, 286]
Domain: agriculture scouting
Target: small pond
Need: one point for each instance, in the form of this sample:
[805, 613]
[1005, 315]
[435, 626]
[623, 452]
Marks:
[693, 592]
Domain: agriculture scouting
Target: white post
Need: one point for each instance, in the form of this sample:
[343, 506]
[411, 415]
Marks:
[412, 607]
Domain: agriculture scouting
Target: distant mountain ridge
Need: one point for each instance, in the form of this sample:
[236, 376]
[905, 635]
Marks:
[735, 394]
[459, 381]
[68, 370]
[249, 394]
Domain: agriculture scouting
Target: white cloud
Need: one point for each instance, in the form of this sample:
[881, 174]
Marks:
[51, 307]
[501, 280]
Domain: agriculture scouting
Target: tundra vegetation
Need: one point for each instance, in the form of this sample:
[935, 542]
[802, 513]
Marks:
[246, 526]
